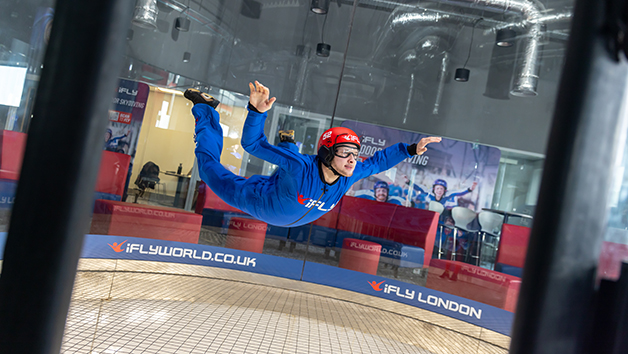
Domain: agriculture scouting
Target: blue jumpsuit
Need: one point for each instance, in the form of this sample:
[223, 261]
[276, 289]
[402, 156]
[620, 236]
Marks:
[295, 194]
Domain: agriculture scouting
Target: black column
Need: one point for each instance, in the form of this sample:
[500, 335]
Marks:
[554, 313]
[55, 193]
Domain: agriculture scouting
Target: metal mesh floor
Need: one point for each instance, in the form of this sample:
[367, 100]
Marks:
[133, 312]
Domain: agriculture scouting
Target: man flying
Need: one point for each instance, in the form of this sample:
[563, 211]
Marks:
[304, 187]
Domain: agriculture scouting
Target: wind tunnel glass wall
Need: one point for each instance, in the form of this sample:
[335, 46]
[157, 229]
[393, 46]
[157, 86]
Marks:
[453, 221]
[614, 249]
[160, 195]
[24, 33]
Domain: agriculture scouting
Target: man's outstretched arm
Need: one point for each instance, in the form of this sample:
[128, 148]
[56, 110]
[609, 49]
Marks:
[392, 155]
[253, 139]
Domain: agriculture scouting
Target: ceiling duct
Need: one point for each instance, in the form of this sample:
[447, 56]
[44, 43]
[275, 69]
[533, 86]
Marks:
[527, 73]
[145, 14]
[531, 36]
[444, 68]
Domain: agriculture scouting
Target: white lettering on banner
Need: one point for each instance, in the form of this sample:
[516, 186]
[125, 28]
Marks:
[127, 91]
[7, 200]
[370, 139]
[484, 273]
[164, 252]
[451, 306]
[246, 225]
[179, 252]
[259, 227]
[363, 246]
[393, 252]
[408, 294]
[167, 251]
[418, 160]
[369, 150]
[143, 211]
[128, 103]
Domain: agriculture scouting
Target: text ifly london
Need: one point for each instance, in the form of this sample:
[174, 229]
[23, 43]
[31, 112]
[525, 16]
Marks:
[434, 301]
[180, 252]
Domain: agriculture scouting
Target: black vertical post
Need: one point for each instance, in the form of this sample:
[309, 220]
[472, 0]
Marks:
[610, 332]
[555, 308]
[55, 193]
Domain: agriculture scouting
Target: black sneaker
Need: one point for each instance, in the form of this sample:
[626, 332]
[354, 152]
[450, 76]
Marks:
[197, 97]
[286, 136]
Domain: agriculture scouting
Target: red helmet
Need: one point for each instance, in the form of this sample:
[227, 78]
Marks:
[338, 135]
[331, 138]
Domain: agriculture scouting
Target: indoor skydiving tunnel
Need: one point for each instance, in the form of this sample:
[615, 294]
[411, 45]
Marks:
[481, 244]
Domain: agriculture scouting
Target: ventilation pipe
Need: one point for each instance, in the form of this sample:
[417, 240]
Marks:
[401, 20]
[444, 68]
[145, 14]
[527, 73]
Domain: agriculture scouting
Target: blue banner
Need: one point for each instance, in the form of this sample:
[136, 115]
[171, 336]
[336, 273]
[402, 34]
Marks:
[7, 193]
[125, 119]
[3, 240]
[477, 313]
[117, 247]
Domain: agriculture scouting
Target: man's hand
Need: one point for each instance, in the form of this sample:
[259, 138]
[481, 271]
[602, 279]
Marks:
[259, 97]
[475, 184]
[421, 145]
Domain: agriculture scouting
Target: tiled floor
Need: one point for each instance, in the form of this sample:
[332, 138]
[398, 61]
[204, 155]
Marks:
[146, 310]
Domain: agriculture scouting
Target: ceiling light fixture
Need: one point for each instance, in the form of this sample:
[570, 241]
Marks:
[186, 57]
[505, 37]
[182, 24]
[323, 49]
[320, 6]
[462, 74]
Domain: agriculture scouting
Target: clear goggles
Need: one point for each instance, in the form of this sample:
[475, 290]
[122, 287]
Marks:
[344, 151]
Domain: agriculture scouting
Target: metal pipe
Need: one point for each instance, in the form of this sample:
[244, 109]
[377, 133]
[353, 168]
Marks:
[527, 74]
[444, 68]
[544, 19]
[409, 100]
[86, 46]
[145, 14]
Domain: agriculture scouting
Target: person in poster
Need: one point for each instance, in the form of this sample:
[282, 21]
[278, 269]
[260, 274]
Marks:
[305, 187]
[439, 193]
[117, 143]
[125, 121]
[380, 193]
[469, 170]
